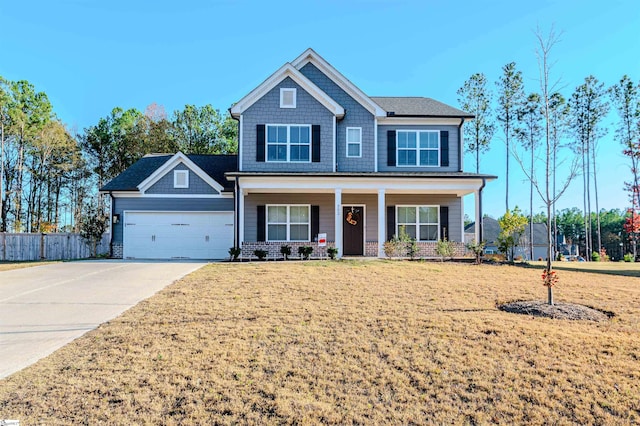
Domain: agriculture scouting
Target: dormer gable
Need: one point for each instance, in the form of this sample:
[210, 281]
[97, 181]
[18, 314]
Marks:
[180, 174]
[287, 70]
[310, 56]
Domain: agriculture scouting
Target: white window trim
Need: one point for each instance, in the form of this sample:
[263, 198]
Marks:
[283, 90]
[417, 148]
[288, 222]
[185, 173]
[417, 222]
[359, 143]
[288, 126]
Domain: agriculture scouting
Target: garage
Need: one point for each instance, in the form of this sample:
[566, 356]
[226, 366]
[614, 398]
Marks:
[177, 235]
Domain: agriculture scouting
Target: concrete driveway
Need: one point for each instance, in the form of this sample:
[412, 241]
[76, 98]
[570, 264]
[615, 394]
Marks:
[45, 307]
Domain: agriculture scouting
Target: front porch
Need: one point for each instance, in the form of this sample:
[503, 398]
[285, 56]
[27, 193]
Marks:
[357, 213]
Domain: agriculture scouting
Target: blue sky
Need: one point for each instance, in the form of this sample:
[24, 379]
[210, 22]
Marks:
[91, 56]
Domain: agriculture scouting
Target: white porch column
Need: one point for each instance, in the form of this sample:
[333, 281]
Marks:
[478, 217]
[338, 223]
[382, 222]
[240, 217]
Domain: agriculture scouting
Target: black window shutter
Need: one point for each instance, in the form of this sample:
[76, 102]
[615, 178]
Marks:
[315, 222]
[391, 148]
[444, 148]
[260, 142]
[262, 219]
[391, 222]
[315, 143]
[444, 223]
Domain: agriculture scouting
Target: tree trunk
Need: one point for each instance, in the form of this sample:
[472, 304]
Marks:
[506, 200]
[531, 203]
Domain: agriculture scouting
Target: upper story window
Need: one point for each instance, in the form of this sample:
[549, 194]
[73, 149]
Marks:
[354, 141]
[287, 98]
[418, 148]
[181, 178]
[420, 222]
[288, 143]
[288, 223]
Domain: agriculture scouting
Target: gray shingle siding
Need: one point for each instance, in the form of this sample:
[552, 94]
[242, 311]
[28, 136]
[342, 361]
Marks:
[370, 201]
[453, 148]
[356, 116]
[166, 204]
[267, 111]
[324, 201]
[456, 232]
[196, 185]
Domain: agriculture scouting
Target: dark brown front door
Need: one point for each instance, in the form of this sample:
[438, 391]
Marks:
[353, 230]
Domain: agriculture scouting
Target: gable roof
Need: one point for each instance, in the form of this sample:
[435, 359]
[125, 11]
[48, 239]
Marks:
[491, 230]
[287, 70]
[418, 107]
[215, 166]
[310, 56]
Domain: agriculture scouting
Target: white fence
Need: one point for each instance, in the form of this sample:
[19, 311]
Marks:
[19, 247]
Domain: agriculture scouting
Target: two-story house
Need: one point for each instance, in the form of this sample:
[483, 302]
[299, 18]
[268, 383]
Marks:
[316, 156]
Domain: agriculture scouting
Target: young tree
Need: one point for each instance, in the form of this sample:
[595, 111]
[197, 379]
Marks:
[512, 225]
[475, 98]
[510, 98]
[558, 116]
[626, 99]
[530, 116]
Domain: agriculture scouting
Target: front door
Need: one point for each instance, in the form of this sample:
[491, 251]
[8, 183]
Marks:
[353, 230]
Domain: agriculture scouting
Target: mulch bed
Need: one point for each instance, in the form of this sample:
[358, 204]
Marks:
[566, 311]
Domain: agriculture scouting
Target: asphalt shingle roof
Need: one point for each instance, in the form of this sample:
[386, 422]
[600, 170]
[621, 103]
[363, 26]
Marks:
[417, 107]
[213, 165]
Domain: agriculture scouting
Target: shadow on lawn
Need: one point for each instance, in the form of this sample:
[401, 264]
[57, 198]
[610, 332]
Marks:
[568, 266]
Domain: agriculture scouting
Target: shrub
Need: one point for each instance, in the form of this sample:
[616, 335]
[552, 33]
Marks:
[305, 251]
[518, 258]
[285, 251]
[628, 257]
[234, 252]
[332, 252]
[390, 247]
[444, 248]
[477, 249]
[260, 254]
[595, 256]
[559, 257]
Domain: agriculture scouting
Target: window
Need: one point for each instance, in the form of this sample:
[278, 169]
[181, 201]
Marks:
[354, 141]
[288, 223]
[418, 148]
[420, 222]
[181, 178]
[288, 143]
[287, 98]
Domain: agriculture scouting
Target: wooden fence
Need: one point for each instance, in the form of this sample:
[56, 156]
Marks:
[20, 247]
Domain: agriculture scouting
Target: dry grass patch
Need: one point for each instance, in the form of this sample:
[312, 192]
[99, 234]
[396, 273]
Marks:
[347, 342]
[8, 266]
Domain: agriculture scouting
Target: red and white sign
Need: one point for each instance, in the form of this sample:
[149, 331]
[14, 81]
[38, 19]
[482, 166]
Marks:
[322, 240]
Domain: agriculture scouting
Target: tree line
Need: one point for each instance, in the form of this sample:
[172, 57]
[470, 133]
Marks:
[545, 129]
[49, 174]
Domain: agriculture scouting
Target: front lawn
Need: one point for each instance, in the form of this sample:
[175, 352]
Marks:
[8, 266]
[347, 342]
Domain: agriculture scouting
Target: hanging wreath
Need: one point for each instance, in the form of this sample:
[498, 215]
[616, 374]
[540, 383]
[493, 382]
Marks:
[352, 218]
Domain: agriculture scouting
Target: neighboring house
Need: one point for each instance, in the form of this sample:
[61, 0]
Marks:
[317, 155]
[491, 230]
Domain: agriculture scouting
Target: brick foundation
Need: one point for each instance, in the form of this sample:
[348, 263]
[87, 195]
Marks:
[273, 249]
[116, 251]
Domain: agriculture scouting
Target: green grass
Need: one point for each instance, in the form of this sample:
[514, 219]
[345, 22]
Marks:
[378, 342]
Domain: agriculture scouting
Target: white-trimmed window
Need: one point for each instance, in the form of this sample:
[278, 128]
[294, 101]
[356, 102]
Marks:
[418, 148]
[289, 143]
[181, 178]
[287, 98]
[288, 222]
[354, 141]
[420, 222]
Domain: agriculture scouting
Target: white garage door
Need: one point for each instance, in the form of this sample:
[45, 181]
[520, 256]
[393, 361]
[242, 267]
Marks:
[177, 235]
